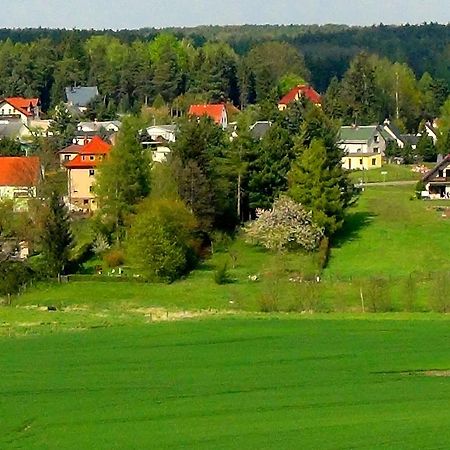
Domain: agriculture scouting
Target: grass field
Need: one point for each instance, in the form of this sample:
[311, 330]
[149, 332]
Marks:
[231, 383]
[390, 233]
[394, 172]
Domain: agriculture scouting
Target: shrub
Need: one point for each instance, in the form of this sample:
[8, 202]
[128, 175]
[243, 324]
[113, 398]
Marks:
[100, 244]
[13, 276]
[410, 292]
[440, 293]
[307, 297]
[286, 226]
[221, 275]
[323, 253]
[161, 239]
[114, 258]
[377, 295]
[270, 297]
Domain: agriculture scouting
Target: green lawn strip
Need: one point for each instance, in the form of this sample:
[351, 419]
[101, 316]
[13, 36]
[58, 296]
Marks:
[232, 383]
[387, 173]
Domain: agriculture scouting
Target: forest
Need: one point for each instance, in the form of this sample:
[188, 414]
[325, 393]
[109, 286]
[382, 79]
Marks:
[243, 64]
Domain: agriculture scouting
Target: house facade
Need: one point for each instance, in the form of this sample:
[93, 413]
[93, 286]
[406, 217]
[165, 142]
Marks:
[437, 181]
[217, 112]
[19, 179]
[82, 169]
[25, 109]
[157, 139]
[298, 92]
[363, 147]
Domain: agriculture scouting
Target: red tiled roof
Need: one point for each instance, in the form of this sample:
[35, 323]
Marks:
[96, 147]
[20, 171]
[213, 111]
[23, 104]
[302, 90]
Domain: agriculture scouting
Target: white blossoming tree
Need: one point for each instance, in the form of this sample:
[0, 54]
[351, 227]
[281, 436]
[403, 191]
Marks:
[287, 226]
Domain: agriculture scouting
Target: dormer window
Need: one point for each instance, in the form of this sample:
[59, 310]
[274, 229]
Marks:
[83, 158]
[92, 157]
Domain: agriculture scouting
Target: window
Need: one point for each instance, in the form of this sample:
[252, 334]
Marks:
[375, 150]
[361, 161]
[83, 158]
[91, 189]
[66, 157]
[92, 157]
[91, 172]
[376, 139]
[441, 174]
[85, 202]
[374, 161]
[447, 173]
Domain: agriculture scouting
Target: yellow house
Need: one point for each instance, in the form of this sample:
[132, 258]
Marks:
[363, 147]
[81, 174]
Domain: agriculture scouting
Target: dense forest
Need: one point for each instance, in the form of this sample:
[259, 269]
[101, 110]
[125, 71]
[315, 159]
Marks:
[243, 64]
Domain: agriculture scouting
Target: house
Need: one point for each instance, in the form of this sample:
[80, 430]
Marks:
[87, 130]
[392, 134]
[218, 113]
[431, 131]
[82, 169]
[157, 139]
[298, 92]
[25, 109]
[10, 128]
[363, 146]
[259, 129]
[79, 97]
[19, 178]
[68, 153]
[437, 180]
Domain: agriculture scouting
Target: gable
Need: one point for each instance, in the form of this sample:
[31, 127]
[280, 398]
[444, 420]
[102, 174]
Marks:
[434, 172]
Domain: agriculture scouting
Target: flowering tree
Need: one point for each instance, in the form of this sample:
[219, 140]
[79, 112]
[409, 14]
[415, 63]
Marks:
[287, 226]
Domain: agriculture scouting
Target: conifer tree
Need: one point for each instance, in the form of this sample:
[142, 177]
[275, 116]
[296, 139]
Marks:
[56, 237]
[123, 179]
[319, 185]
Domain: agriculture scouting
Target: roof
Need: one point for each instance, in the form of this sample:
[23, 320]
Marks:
[10, 129]
[72, 148]
[97, 146]
[393, 128]
[98, 125]
[358, 134]
[213, 111]
[410, 139]
[302, 90]
[24, 105]
[20, 171]
[430, 175]
[81, 95]
[259, 129]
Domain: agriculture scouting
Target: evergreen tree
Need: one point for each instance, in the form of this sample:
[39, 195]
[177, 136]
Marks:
[425, 149]
[62, 125]
[56, 237]
[316, 184]
[269, 167]
[123, 179]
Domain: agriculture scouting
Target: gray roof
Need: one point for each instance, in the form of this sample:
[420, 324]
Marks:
[10, 129]
[260, 128]
[81, 95]
[410, 139]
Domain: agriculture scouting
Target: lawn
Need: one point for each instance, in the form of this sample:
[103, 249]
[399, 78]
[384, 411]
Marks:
[387, 173]
[230, 383]
[391, 233]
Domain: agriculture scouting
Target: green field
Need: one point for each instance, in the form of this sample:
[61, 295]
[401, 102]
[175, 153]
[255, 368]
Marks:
[387, 173]
[234, 383]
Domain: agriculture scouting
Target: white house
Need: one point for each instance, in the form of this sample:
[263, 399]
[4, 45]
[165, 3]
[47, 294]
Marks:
[157, 139]
[25, 109]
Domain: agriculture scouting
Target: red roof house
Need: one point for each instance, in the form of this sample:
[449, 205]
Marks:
[82, 171]
[19, 176]
[25, 108]
[217, 112]
[302, 90]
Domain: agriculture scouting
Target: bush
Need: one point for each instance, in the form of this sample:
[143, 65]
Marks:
[410, 293]
[13, 276]
[270, 297]
[161, 240]
[440, 293]
[221, 275]
[323, 253]
[307, 297]
[114, 258]
[377, 295]
[286, 226]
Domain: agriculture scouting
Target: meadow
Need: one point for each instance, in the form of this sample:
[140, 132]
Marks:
[278, 382]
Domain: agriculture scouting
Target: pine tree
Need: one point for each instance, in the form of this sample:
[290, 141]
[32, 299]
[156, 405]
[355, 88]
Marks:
[317, 184]
[123, 179]
[56, 237]
[426, 149]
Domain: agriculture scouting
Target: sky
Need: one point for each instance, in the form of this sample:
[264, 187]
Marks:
[118, 14]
